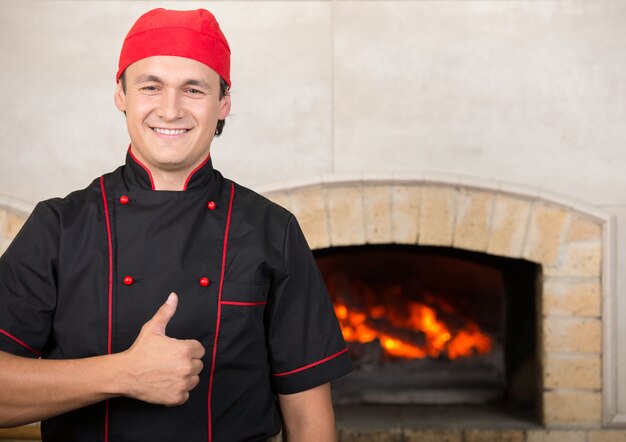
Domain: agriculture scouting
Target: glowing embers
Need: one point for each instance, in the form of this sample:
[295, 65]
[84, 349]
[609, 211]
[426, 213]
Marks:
[412, 330]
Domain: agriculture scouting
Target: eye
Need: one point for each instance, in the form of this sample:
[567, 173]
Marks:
[149, 88]
[194, 91]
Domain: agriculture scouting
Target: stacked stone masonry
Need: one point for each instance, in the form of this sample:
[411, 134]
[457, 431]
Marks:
[565, 242]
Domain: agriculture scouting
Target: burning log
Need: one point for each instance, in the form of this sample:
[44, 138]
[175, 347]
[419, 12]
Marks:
[417, 331]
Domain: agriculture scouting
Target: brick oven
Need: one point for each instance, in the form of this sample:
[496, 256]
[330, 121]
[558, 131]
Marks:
[547, 251]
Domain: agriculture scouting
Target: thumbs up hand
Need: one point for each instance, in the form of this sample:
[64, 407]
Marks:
[159, 369]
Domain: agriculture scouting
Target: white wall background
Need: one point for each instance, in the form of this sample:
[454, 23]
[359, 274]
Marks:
[530, 92]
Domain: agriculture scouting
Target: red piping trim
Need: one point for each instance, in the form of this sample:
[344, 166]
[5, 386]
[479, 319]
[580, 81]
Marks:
[246, 304]
[22, 343]
[306, 367]
[110, 246]
[219, 305]
[132, 155]
[110, 315]
[195, 170]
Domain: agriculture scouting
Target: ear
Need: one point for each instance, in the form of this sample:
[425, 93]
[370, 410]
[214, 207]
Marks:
[224, 107]
[120, 97]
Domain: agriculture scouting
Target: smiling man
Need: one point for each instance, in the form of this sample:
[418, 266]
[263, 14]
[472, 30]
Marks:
[164, 301]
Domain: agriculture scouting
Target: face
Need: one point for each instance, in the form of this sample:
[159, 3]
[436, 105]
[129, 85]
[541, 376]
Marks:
[172, 106]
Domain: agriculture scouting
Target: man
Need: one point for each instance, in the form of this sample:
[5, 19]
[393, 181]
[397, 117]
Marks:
[165, 302]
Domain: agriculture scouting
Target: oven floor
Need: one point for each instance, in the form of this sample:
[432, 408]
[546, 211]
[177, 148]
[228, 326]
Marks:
[387, 417]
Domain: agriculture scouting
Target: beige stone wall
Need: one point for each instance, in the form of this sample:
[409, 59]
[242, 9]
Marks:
[11, 222]
[565, 242]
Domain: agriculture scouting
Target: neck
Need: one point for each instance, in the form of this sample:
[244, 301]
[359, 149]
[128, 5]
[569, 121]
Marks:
[170, 180]
[173, 180]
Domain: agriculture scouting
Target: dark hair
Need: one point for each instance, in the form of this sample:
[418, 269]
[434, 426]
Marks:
[223, 92]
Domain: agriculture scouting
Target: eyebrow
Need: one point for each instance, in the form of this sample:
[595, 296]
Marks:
[146, 78]
[199, 83]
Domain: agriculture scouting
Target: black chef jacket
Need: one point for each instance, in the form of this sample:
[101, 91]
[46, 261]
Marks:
[87, 271]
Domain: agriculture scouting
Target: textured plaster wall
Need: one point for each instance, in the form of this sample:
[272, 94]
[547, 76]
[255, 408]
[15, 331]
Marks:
[531, 92]
[525, 92]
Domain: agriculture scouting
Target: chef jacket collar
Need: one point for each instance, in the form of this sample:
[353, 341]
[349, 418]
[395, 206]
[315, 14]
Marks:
[138, 176]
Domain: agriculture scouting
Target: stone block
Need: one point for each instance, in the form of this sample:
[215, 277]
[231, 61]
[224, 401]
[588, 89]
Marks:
[555, 436]
[494, 435]
[433, 436]
[3, 219]
[377, 210]
[572, 335]
[572, 408]
[566, 297]
[345, 210]
[582, 260]
[309, 207]
[405, 213]
[12, 224]
[546, 233]
[508, 226]
[25, 433]
[437, 216]
[283, 199]
[606, 436]
[572, 372]
[473, 217]
[391, 435]
[583, 229]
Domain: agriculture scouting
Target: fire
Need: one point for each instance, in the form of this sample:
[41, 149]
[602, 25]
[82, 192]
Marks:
[400, 333]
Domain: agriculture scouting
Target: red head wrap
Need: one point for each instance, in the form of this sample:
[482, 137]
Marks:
[190, 34]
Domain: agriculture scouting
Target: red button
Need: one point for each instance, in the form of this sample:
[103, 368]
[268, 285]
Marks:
[211, 205]
[128, 280]
[124, 199]
[204, 281]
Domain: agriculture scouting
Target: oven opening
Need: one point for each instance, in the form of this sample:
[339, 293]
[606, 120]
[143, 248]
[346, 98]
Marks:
[434, 326]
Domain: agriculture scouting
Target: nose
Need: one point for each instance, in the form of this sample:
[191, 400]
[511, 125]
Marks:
[169, 106]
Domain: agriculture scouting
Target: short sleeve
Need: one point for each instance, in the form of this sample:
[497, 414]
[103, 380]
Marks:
[304, 338]
[28, 285]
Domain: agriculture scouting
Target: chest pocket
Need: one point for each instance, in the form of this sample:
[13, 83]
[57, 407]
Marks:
[245, 294]
[241, 343]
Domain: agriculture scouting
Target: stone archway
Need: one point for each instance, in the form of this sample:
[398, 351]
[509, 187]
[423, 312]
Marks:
[566, 239]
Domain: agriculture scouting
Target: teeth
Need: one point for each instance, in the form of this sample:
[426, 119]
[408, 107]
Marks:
[169, 131]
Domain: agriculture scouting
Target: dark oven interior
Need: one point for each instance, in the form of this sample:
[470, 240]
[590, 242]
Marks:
[434, 326]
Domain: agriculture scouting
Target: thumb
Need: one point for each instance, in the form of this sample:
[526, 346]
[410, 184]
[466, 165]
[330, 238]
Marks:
[159, 321]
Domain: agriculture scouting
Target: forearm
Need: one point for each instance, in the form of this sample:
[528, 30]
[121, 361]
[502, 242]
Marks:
[36, 389]
[155, 369]
[309, 433]
[308, 416]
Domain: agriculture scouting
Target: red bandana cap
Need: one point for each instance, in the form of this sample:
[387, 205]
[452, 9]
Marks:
[190, 34]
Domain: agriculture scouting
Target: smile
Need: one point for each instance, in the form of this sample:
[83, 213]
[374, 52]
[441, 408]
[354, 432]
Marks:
[163, 131]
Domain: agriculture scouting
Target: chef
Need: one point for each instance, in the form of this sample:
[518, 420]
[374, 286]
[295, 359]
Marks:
[165, 302]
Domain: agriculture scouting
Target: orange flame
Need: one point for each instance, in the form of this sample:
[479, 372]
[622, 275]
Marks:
[356, 327]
